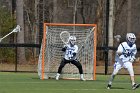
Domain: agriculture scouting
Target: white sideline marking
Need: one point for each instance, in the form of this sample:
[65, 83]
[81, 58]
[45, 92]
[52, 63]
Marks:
[84, 89]
[64, 82]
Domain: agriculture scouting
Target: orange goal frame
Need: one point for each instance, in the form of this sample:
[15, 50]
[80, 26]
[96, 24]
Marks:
[66, 24]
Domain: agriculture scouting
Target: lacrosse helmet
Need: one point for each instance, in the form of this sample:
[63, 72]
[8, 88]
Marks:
[72, 40]
[130, 38]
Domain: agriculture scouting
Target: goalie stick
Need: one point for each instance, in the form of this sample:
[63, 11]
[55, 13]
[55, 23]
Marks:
[17, 29]
[64, 35]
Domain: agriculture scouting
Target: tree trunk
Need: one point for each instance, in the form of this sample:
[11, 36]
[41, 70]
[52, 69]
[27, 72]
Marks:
[129, 17]
[111, 28]
[74, 14]
[20, 35]
[55, 10]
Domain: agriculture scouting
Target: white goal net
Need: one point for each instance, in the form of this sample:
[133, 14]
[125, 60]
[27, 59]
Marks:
[51, 54]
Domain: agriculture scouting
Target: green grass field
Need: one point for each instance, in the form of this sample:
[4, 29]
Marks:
[30, 83]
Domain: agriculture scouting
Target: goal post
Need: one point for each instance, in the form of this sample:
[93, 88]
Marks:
[50, 53]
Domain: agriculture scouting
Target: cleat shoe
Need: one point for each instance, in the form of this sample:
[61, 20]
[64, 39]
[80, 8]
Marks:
[135, 86]
[57, 76]
[82, 79]
[108, 86]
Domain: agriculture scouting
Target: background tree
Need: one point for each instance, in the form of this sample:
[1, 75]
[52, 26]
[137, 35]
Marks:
[20, 36]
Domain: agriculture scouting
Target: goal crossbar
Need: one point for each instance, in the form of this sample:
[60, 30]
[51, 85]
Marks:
[64, 24]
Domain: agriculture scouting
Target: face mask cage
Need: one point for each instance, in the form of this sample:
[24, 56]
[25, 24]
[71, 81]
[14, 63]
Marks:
[130, 38]
[72, 41]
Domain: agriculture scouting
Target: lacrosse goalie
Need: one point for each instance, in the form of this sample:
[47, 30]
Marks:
[70, 50]
[125, 56]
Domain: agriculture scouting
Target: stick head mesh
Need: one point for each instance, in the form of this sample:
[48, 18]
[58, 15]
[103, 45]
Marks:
[117, 37]
[64, 35]
[17, 29]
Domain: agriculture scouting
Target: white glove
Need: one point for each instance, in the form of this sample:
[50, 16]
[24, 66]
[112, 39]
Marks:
[132, 59]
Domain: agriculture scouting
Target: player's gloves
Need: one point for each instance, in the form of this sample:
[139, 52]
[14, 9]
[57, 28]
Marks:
[74, 54]
[132, 59]
[64, 48]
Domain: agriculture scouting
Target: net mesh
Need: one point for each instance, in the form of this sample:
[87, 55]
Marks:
[53, 53]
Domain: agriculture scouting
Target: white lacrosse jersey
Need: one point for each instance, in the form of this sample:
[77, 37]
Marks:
[69, 51]
[125, 47]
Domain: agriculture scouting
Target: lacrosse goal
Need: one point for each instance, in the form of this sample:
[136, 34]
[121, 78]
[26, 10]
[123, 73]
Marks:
[51, 54]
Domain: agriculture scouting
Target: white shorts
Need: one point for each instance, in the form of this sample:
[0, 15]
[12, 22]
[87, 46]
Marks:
[120, 65]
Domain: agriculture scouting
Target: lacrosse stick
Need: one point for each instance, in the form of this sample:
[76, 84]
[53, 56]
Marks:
[64, 35]
[117, 37]
[17, 29]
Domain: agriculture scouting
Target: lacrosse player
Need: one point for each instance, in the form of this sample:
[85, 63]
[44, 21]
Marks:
[125, 56]
[70, 50]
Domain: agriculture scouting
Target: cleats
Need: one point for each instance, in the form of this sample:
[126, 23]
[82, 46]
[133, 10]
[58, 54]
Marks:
[108, 86]
[135, 86]
[82, 79]
[57, 76]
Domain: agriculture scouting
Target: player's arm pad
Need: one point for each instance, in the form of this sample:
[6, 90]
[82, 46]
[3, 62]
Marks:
[64, 49]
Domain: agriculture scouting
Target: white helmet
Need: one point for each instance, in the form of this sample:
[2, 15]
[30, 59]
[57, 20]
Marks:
[130, 38]
[72, 39]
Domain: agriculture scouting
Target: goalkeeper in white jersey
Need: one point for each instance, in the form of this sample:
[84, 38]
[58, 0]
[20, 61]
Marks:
[70, 50]
[125, 56]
